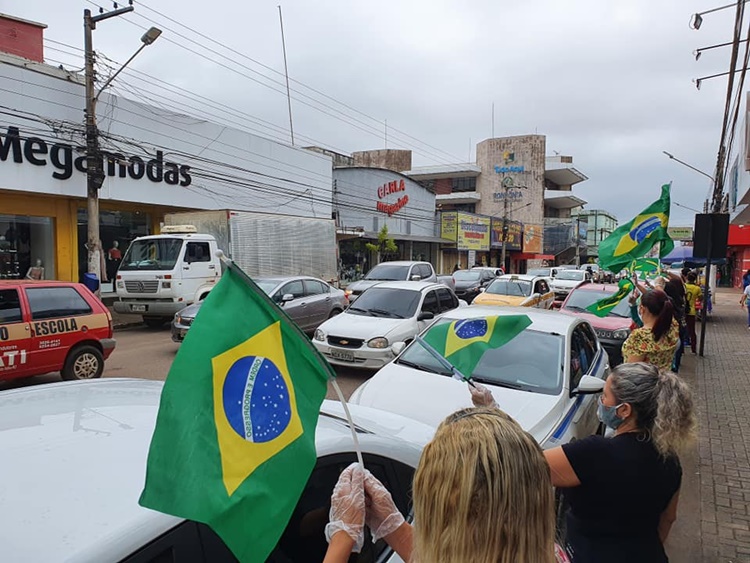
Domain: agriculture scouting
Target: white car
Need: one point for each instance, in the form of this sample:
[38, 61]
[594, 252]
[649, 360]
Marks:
[389, 312]
[546, 378]
[567, 280]
[74, 464]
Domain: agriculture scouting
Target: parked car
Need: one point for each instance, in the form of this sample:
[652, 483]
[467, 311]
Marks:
[308, 301]
[389, 312]
[546, 378]
[566, 280]
[497, 272]
[611, 330]
[469, 283]
[543, 272]
[48, 326]
[398, 270]
[96, 435]
[517, 290]
[593, 270]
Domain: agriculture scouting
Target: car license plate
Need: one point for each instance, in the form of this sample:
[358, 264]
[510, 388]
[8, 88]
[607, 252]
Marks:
[343, 355]
[138, 308]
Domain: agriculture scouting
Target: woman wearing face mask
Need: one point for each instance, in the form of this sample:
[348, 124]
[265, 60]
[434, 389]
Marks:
[623, 491]
[657, 340]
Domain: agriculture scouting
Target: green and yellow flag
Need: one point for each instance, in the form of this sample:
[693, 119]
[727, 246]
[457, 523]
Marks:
[646, 265]
[603, 307]
[234, 442]
[635, 238]
[464, 342]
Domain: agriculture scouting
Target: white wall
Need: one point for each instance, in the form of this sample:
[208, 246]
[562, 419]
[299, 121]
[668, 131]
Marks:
[275, 178]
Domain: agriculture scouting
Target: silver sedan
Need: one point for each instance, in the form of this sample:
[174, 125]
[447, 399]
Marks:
[308, 301]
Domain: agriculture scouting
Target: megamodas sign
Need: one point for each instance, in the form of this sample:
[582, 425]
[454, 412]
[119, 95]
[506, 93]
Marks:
[35, 151]
[391, 188]
[473, 232]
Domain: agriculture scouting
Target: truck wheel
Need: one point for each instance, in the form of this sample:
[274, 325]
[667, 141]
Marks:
[83, 362]
[154, 322]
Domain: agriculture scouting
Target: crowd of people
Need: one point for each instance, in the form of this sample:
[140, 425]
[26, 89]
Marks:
[484, 490]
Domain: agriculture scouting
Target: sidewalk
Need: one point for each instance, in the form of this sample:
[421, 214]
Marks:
[721, 388]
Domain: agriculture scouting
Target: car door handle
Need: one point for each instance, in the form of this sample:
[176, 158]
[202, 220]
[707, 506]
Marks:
[211, 267]
[186, 267]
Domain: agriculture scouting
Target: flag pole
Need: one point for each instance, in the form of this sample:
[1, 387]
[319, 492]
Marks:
[229, 263]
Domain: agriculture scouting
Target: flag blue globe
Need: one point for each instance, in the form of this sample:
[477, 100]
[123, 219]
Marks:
[471, 328]
[256, 399]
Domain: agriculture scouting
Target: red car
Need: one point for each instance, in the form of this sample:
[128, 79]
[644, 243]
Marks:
[611, 330]
[48, 326]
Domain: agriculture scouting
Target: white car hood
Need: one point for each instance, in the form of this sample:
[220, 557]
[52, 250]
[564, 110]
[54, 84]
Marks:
[565, 284]
[429, 398]
[362, 326]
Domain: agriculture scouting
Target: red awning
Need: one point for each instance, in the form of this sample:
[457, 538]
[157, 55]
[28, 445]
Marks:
[531, 256]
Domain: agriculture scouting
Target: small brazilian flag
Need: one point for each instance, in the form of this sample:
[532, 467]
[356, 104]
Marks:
[635, 238]
[464, 342]
[234, 442]
[603, 307]
[646, 265]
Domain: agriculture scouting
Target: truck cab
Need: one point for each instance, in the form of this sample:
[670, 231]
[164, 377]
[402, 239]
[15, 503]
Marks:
[161, 274]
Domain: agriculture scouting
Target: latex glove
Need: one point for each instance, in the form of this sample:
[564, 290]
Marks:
[348, 506]
[481, 396]
[382, 517]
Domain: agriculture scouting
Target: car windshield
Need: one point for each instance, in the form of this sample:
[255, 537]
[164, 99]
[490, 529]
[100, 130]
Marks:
[514, 288]
[532, 361]
[579, 299]
[386, 272]
[574, 275]
[152, 254]
[538, 272]
[386, 302]
[467, 275]
[267, 285]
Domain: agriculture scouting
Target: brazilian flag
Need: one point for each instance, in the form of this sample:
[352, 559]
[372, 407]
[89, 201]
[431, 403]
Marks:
[603, 307]
[635, 238]
[646, 265]
[464, 342]
[234, 442]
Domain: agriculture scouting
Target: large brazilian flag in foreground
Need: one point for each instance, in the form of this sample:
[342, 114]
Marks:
[464, 342]
[635, 238]
[234, 442]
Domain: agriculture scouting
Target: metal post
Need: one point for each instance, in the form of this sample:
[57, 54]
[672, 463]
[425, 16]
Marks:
[93, 161]
[578, 240]
[505, 228]
[286, 75]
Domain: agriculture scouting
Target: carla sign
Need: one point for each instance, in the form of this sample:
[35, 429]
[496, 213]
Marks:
[392, 188]
[34, 149]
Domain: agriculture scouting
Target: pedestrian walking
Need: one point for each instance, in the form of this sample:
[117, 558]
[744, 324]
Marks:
[482, 493]
[746, 279]
[656, 341]
[745, 302]
[692, 294]
[623, 491]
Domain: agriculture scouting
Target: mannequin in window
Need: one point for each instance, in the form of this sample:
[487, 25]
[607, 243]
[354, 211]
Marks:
[36, 272]
[114, 256]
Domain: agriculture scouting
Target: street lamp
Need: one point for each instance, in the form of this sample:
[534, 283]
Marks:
[696, 20]
[698, 52]
[689, 166]
[147, 39]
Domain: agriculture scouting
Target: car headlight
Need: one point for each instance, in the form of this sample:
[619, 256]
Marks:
[120, 285]
[378, 342]
[319, 336]
[166, 285]
[177, 319]
[607, 334]
[620, 334]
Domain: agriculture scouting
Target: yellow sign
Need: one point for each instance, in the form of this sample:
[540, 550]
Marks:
[680, 233]
[448, 225]
[532, 239]
[473, 232]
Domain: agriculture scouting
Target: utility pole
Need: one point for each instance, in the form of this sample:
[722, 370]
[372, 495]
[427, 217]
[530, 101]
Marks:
[578, 240]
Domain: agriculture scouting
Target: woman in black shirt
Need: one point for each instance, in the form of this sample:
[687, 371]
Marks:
[623, 491]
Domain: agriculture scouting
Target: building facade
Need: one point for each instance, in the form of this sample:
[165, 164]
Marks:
[600, 224]
[154, 162]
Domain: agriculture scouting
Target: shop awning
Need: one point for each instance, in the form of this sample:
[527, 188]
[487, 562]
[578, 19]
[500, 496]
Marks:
[413, 238]
[532, 256]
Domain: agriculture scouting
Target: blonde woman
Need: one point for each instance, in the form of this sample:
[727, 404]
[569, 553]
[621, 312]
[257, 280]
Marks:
[623, 491]
[482, 494]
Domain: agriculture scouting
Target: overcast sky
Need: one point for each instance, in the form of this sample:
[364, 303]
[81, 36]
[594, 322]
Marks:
[607, 81]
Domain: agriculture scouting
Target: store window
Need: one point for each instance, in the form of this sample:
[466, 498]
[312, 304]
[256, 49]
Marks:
[116, 231]
[27, 247]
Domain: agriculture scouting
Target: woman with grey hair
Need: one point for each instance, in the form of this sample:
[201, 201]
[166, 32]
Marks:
[623, 491]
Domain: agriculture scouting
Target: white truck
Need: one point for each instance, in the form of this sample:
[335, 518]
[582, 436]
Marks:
[161, 274]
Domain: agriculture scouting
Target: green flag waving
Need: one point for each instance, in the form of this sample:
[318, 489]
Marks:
[464, 342]
[635, 238]
[234, 442]
[646, 265]
[603, 307]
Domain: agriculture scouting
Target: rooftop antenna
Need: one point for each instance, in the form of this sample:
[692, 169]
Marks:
[286, 75]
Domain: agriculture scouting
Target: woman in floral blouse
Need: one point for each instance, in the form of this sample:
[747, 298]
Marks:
[657, 340]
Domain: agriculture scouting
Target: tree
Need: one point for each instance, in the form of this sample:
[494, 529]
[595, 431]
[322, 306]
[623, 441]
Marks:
[384, 246]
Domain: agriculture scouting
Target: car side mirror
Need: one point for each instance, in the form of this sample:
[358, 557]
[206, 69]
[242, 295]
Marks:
[426, 316]
[287, 297]
[416, 277]
[398, 347]
[589, 385]
[482, 289]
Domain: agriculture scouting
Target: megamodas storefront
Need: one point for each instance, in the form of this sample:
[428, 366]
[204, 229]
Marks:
[368, 199]
[154, 162]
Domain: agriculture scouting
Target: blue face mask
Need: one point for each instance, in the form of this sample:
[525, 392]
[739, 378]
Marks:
[608, 415]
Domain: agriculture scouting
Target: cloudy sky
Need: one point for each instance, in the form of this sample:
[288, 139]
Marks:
[608, 81]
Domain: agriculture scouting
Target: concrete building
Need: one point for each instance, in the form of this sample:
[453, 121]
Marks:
[512, 188]
[600, 224]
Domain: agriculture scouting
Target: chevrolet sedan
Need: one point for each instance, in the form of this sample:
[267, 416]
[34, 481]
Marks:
[546, 378]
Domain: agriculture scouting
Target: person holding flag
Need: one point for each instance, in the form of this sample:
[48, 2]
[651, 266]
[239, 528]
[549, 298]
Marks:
[656, 341]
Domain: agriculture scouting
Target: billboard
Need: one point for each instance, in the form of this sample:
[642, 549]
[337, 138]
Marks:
[680, 233]
[449, 225]
[473, 232]
[514, 240]
[532, 239]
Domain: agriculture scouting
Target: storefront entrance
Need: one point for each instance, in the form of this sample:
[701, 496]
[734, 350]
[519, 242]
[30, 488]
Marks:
[27, 247]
